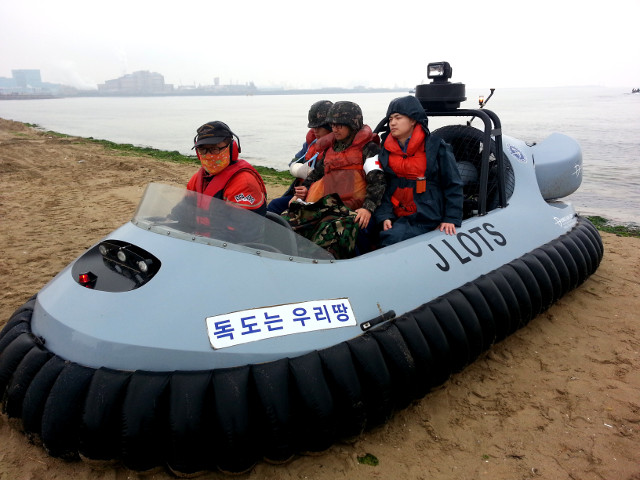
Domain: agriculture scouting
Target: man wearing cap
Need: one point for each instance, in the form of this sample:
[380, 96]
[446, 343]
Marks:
[223, 175]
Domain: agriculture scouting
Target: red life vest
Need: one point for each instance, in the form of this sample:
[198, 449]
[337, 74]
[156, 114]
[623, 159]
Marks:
[351, 157]
[411, 165]
[319, 146]
[311, 136]
[343, 171]
[216, 187]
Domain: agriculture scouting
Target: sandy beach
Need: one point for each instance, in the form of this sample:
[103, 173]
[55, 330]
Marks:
[559, 399]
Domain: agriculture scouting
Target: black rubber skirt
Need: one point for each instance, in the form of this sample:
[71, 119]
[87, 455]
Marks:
[231, 418]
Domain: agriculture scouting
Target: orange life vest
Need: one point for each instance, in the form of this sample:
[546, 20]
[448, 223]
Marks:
[411, 165]
[216, 188]
[343, 172]
[319, 146]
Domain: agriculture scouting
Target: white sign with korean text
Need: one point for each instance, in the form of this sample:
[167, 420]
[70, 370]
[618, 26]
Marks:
[246, 326]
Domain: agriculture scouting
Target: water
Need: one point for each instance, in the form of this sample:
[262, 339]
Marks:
[605, 121]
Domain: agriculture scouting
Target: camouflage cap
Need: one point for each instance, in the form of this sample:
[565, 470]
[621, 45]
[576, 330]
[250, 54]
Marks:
[346, 113]
[318, 113]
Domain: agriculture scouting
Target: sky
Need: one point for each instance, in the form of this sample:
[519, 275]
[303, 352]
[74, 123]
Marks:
[345, 43]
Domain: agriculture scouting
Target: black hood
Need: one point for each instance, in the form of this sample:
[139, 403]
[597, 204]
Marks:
[409, 106]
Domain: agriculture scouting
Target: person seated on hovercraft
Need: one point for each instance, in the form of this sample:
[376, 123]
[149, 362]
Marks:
[349, 166]
[222, 175]
[346, 183]
[424, 189]
[304, 161]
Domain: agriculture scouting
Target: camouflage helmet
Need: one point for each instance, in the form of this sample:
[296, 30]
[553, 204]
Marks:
[318, 114]
[346, 113]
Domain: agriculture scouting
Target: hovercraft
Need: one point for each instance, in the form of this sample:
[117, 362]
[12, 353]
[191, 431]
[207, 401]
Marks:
[169, 343]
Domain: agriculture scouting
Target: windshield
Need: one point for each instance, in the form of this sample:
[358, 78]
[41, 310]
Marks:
[191, 216]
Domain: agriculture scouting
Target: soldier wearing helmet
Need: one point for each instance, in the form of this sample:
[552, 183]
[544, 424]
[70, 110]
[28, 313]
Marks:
[304, 161]
[348, 166]
[318, 115]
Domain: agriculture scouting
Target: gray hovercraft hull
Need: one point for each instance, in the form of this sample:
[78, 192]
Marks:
[168, 331]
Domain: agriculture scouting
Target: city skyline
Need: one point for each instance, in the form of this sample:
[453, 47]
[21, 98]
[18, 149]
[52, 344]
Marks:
[28, 82]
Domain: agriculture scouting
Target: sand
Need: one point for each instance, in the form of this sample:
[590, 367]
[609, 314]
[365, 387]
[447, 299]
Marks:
[559, 399]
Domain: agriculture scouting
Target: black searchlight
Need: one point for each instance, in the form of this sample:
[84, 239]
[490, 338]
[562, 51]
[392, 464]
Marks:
[439, 72]
[440, 95]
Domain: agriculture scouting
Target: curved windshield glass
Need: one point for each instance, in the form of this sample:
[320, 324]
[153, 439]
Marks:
[191, 216]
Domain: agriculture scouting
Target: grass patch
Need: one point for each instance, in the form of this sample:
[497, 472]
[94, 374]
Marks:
[129, 149]
[369, 459]
[56, 134]
[273, 176]
[270, 175]
[604, 225]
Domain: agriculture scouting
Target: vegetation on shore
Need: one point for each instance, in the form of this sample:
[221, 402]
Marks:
[273, 176]
[604, 225]
[270, 175]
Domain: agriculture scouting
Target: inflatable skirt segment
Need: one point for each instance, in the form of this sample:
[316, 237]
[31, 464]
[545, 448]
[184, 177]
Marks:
[228, 419]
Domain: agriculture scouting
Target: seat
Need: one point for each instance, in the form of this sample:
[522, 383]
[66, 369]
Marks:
[279, 234]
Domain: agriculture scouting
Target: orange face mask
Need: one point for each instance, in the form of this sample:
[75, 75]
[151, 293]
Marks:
[214, 163]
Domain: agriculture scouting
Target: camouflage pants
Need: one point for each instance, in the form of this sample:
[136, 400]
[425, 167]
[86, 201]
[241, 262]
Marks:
[328, 223]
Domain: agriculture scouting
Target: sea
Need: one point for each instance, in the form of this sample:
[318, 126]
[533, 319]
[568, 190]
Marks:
[605, 122]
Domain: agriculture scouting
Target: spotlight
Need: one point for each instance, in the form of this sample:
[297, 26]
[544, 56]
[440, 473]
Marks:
[439, 72]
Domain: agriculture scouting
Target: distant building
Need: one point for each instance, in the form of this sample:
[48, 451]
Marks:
[29, 84]
[6, 82]
[27, 78]
[136, 83]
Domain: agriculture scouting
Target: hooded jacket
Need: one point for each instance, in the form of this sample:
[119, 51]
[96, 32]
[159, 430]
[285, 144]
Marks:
[442, 198]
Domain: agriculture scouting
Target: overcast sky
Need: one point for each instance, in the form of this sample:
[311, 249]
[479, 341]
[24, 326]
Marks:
[295, 43]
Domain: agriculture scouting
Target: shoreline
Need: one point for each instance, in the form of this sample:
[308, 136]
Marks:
[269, 174]
[235, 91]
[283, 177]
[557, 399]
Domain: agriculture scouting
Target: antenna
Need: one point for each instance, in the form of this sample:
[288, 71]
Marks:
[482, 102]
